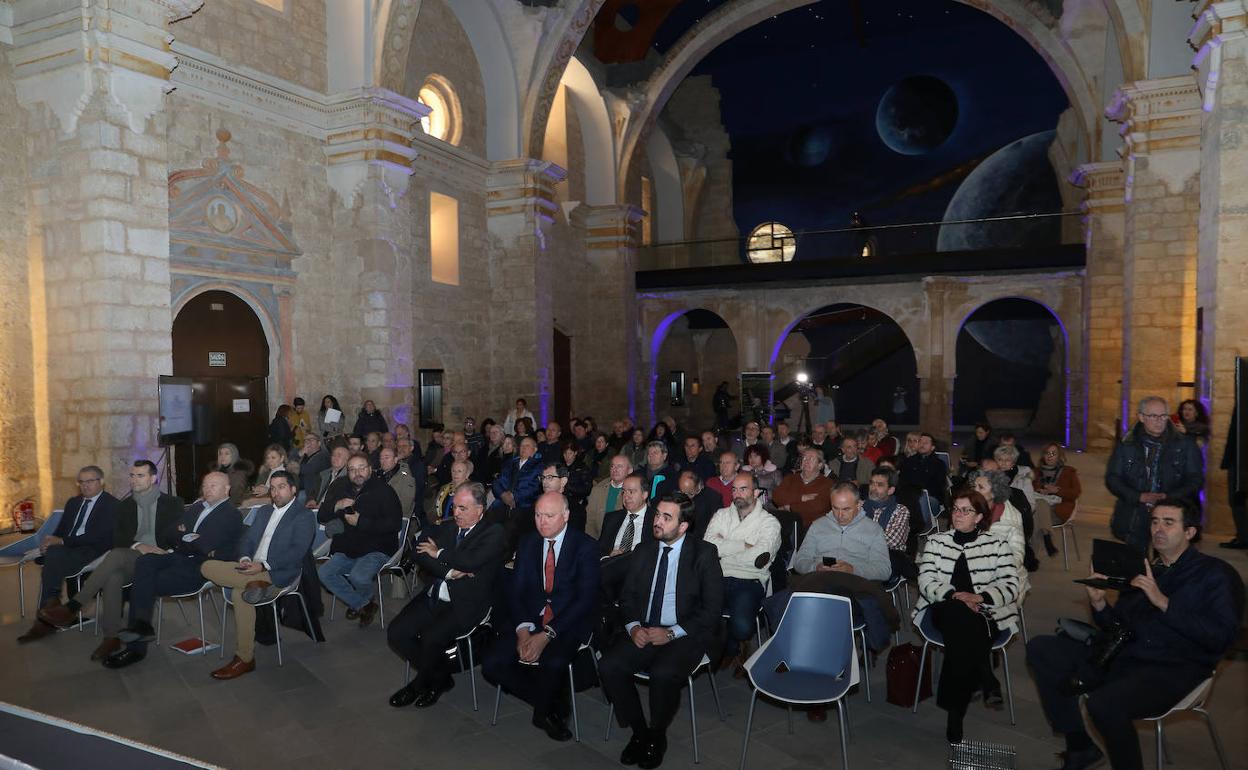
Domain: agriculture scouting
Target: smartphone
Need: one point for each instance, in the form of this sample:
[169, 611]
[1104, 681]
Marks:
[829, 561]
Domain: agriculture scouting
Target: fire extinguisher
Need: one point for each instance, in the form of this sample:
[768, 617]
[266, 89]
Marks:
[24, 516]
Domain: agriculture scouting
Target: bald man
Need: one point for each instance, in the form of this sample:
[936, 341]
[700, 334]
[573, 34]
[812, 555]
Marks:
[553, 598]
[209, 529]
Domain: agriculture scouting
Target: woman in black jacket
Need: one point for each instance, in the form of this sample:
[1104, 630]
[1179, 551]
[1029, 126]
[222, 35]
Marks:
[280, 431]
[370, 420]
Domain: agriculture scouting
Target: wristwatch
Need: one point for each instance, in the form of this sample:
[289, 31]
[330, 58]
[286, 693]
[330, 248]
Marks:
[550, 632]
[670, 634]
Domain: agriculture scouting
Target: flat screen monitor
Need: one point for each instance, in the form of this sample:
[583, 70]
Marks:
[175, 395]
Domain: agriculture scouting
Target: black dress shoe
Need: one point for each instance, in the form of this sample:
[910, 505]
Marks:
[555, 727]
[1234, 543]
[993, 699]
[123, 658]
[405, 696]
[636, 748]
[352, 614]
[656, 747]
[1082, 759]
[427, 698]
[138, 632]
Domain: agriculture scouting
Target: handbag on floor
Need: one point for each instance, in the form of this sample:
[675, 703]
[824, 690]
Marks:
[902, 672]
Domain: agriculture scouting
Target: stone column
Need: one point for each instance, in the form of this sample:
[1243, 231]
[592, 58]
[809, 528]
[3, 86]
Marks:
[93, 79]
[607, 374]
[369, 156]
[520, 206]
[936, 380]
[1222, 40]
[1161, 128]
[1103, 298]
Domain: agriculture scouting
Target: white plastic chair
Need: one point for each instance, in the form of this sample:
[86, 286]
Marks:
[21, 552]
[392, 563]
[472, 663]
[932, 637]
[1195, 701]
[198, 595]
[292, 589]
[1069, 526]
[78, 579]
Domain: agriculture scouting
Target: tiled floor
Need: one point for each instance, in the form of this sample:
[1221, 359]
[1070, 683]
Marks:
[327, 706]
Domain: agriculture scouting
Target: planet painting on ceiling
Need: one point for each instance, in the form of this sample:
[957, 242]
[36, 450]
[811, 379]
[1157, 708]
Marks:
[916, 115]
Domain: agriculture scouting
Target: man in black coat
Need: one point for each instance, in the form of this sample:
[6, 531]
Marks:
[367, 524]
[84, 533]
[465, 559]
[552, 598]
[209, 529]
[695, 459]
[672, 601]
[924, 469]
[705, 501]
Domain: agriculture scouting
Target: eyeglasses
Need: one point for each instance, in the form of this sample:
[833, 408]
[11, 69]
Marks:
[1148, 416]
[965, 510]
[549, 478]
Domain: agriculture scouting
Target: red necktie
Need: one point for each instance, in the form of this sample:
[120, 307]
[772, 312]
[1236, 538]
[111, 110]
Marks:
[549, 583]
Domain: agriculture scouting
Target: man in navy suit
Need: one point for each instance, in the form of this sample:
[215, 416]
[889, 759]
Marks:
[84, 533]
[209, 529]
[517, 486]
[552, 598]
[270, 558]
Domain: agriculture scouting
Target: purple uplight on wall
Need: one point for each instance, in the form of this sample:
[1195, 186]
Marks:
[656, 344]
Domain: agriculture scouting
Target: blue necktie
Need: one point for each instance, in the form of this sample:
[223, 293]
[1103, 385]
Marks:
[460, 537]
[654, 618]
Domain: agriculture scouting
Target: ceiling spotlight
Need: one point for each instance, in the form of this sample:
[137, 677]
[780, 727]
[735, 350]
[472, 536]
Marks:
[803, 378]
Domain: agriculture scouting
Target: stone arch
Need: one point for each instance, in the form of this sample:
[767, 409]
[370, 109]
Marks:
[280, 356]
[658, 336]
[912, 324]
[669, 213]
[553, 54]
[848, 302]
[1064, 340]
[490, 45]
[597, 136]
[733, 18]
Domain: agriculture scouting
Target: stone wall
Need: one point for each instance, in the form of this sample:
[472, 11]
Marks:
[440, 46]
[290, 44]
[694, 111]
[19, 476]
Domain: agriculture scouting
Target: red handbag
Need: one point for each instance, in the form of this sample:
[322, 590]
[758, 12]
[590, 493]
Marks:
[902, 673]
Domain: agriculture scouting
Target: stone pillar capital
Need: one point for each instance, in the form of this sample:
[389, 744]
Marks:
[369, 139]
[66, 54]
[1218, 24]
[1105, 185]
[1159, 117]
[611, 227]
[525, 188]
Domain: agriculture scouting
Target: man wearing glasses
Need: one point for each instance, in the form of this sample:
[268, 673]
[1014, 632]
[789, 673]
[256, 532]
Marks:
[1154, 461]
[84, 533]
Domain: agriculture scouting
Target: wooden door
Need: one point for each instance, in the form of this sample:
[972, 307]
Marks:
[219, 343]
[563, 380]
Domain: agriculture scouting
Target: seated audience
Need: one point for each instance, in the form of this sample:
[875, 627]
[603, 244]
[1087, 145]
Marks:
[444, 503]
[751, 435]
[968, 583]
[271, 555]
[671, 603]
[280, 431]
[238, 469]
[275, 459]
[84, 534]
[705, 501]
[925, 470]
[142, 525]
[696, 459]
[847, 536]
[1175, 628]
[1057, 490]
[807, 493]
[335, 473]
[728, 465]
[881, 506]
[748, 538]
[758, 462]
[553, 617]
[313, 460]
[367, 524]
[1010, 440]
[209, 529]
[1003, 520]
[464, 556]
[661, 476]
[851, 466]
[550, 449]
[606, 495]
[980, 448]
[555, 478]
[399, 478]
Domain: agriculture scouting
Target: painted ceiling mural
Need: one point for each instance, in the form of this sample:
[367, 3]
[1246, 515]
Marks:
[903, 110]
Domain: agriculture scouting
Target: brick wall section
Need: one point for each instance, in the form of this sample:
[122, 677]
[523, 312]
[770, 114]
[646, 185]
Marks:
[289, 44]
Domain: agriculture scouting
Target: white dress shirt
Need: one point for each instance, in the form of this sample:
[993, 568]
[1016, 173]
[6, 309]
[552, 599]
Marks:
[86, 509]
[275, 518]
[541, 566]
[638, 518]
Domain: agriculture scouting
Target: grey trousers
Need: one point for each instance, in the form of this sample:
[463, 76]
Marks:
[108, 580]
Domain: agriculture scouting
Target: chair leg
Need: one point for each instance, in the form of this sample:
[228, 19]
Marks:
[693, 721]
[203, 633]
[160, 616]
[277, 631]
[407, 673]
[1074, 538]
[1065, 553]
[749, 721]
[866, 665]
[1157, 739]
[610, 719]
[472, 675]
[1022, 621]
[715, 693]
[21, 588]
[381, 605]
[919, 684]
[1213, 735]
[307, 617]
[576, 721]
[789, 712]
[333, 604]
[1009, 685]
[1165, 746]
[225, 608]
[844, 724]
[498, 697]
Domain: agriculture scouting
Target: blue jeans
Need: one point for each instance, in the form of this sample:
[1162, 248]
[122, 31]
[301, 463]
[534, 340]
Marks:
[354, 581]
[742, 598]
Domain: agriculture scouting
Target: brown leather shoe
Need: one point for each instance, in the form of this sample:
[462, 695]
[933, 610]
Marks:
[367, 613]
[108, 646]
[234, 669]
[51, 601]
[58, 615]
[37, 631]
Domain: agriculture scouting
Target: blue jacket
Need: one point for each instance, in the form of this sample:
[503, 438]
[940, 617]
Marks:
[291, 540]
[1201, 622]
[98, 535]
[1180, 473]
[525, 483]
[574, 600]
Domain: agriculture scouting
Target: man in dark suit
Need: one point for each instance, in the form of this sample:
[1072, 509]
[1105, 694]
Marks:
[696, 459]
[552, 597]
[672, 601]
[313, 461]
[706, 502]
[84, 533]
[142, 525]
[210, 529]
[270, 558]
[465, 558]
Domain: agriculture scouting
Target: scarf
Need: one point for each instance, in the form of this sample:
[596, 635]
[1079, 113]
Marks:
[1049, 476]
[874, 508]
[145, 531]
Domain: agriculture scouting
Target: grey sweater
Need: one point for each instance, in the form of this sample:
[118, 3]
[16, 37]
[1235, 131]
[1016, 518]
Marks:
[860, 543]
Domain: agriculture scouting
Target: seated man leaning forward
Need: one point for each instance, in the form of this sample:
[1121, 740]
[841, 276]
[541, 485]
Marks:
[1173, 630]
[671, 603]
[270, 558]
[552, 597]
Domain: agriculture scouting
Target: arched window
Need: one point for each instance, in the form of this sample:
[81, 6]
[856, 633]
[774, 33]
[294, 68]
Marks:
[771, 242]
[443, 121]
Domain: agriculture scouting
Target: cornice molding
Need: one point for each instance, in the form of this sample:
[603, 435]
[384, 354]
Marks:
[1218, 24]
[1105, 183]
